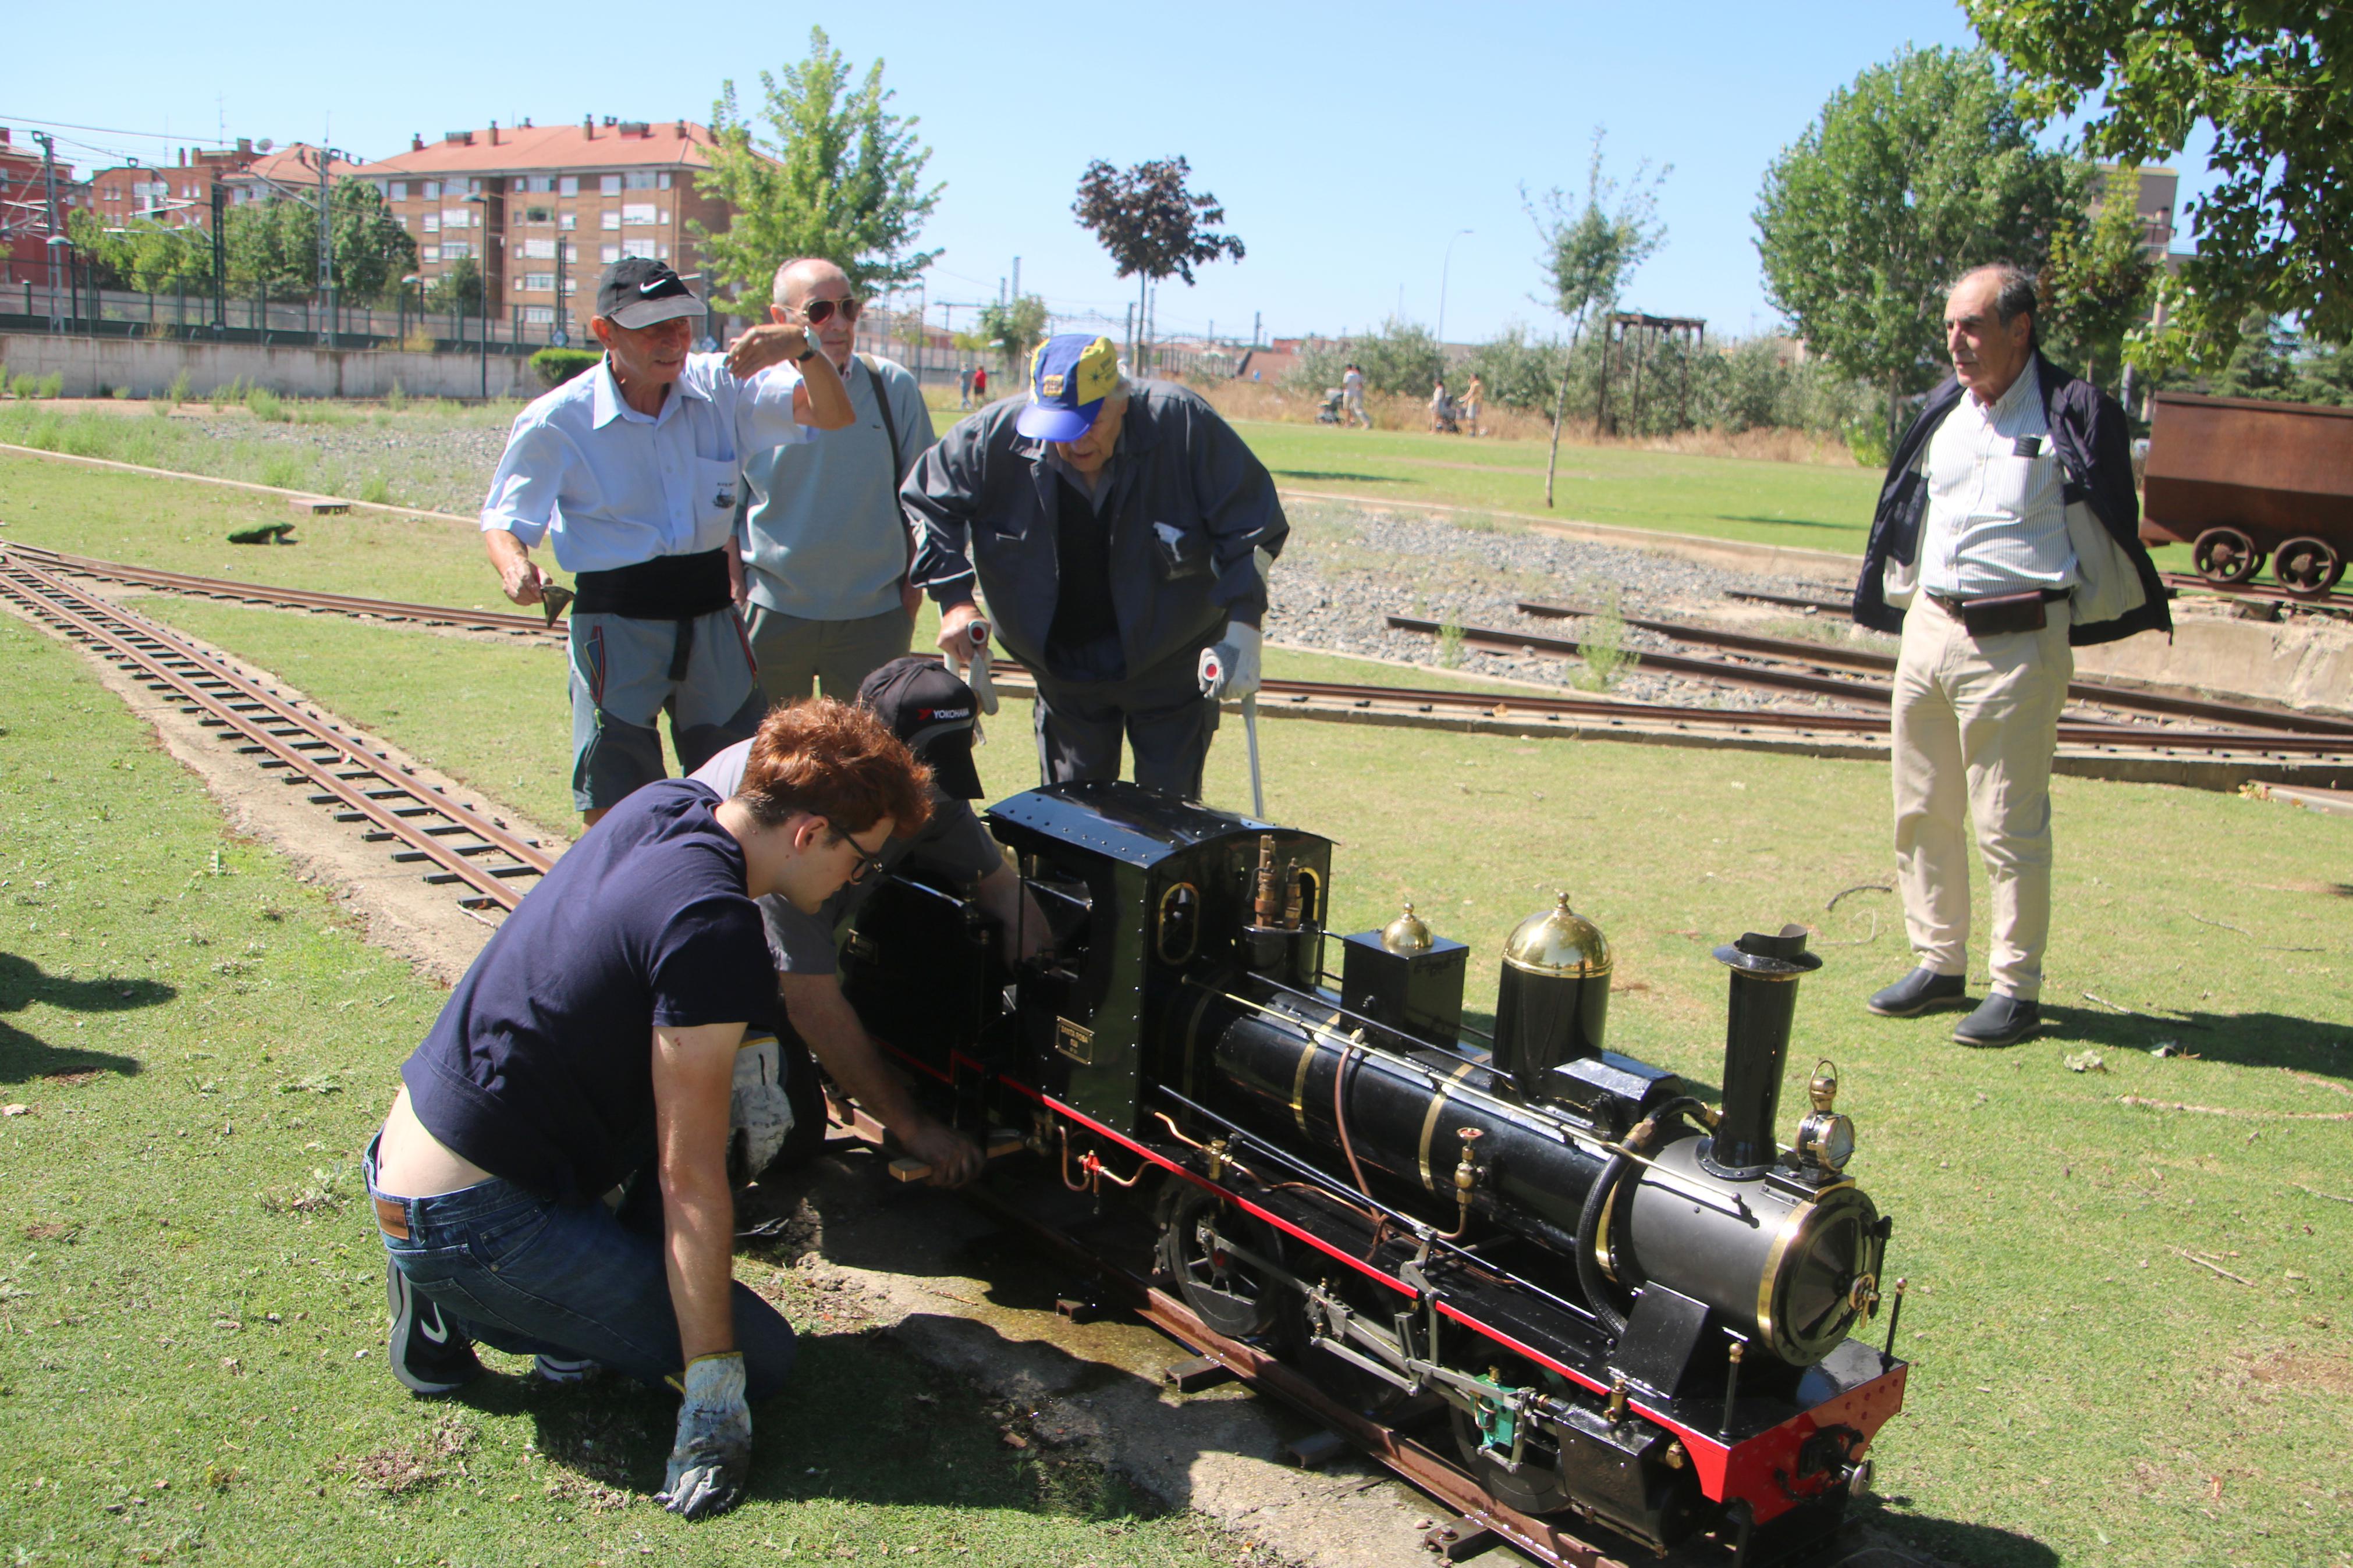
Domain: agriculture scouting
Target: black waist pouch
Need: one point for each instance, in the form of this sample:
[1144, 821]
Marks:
[2001, 612]
[666, 588]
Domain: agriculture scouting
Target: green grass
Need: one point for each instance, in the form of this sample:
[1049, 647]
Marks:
[191, 1292]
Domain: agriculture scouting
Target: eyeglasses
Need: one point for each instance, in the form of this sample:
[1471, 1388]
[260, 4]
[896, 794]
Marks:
[817, 312]
[867, 865]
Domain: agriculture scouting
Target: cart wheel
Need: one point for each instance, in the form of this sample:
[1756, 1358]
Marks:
[2226, 556]
[2308, 567]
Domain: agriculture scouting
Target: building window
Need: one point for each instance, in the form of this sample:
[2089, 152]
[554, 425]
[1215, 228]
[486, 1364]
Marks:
[568, 221]
[457, 218]
[457, 252]
[608, 253]
[608, 218]
[568, 185]
[610, 184]
[638, 214]
[432, 190]
[638, 180]
[572, 285]
[662, 252]
[433, 223]
[538, 316]
[473, 187]
[539, 249]
[397, 191]
[662, 182]
[571, 251]
[539, 215]
[539, 184]
[538, 282]
[429, 252]
[662, 217]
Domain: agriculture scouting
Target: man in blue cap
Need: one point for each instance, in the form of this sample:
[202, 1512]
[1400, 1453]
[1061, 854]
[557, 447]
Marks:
[1120, 532]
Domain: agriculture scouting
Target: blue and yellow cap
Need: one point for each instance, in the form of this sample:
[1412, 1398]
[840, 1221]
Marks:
[1069, 376]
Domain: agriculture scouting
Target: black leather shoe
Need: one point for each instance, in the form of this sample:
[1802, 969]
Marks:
[1999, 1020]
[1922, 991]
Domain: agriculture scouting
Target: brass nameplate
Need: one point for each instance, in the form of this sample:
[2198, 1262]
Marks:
[1074, 1042]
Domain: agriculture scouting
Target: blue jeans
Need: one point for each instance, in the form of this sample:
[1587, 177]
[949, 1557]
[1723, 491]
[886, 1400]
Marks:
[519, 1273]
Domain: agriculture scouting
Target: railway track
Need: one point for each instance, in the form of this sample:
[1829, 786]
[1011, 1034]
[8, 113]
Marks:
[449, 840]
[2190, 582]
[2096, 692]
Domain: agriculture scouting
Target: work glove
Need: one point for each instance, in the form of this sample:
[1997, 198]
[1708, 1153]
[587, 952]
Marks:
[1229, 665]
[759, 1112]
[712, 1458]
[983, 690]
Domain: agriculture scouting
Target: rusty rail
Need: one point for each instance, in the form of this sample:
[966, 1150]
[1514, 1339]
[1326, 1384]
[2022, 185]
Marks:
[463, 846]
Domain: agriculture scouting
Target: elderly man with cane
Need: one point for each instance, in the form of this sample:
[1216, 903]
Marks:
[1122, 534]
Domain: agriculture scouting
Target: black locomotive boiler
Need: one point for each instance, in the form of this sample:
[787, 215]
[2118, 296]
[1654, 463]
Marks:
[1631, 1308]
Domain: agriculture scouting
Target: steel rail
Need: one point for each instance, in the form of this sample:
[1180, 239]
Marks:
[289, 598]
[270, 725]
[2271, 592]
[2092, 692]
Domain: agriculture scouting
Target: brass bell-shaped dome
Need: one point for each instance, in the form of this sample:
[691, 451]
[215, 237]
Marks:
[1558, 941]
[1406, 935]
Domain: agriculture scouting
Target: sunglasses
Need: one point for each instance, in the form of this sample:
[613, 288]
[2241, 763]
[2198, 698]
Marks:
[817, 312]
[867, 865]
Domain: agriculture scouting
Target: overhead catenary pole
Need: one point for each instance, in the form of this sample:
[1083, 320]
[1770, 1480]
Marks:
[50, 180]
[326, 244]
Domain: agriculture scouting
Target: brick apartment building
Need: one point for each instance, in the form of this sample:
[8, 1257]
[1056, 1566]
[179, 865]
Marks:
[536, 205]
[24, 211]
[177, 195]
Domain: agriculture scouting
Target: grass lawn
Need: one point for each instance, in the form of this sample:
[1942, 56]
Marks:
[191, 1291]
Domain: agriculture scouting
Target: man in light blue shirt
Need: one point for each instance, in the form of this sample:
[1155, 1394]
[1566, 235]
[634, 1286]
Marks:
[825, 544]
[631, 470]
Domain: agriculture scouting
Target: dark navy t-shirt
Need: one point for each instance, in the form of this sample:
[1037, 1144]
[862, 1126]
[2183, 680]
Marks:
[540, 1068]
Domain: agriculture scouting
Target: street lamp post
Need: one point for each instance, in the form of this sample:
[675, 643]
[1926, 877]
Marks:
[482, 283]
[1443, 269]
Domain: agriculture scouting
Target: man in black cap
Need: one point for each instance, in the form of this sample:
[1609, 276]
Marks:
[632, 470]
[926, 705]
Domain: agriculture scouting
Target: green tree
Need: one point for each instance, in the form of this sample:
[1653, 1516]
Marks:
[272, 247]
[1921, 170]
[460, 287]
[1014, 330]
[841, 178]
[1590, 252]
[1150, 225]
[2270, 77]
[373, 252]
[152, 258]
[2098, 282]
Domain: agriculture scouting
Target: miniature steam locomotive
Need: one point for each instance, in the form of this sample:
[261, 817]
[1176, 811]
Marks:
[1630, 1308]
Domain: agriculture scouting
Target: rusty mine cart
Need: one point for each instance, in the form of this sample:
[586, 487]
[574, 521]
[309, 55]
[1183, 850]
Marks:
[2237, 480]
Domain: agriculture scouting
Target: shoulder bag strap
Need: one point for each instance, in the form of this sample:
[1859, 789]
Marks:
[890, 423]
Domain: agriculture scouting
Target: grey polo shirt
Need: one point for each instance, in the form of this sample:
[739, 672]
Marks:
[953, 844]
[824, 537]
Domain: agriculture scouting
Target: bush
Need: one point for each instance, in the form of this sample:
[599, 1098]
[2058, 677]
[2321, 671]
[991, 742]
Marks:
[280, 471]
[266, 405]
[378, 490]
[179, 389]
[1401, 357]
[398, 398]
[228, 397]
[556, 366]
[51, 385]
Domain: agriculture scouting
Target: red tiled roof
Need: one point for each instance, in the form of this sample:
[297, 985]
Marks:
[667, 143]
[287, 169]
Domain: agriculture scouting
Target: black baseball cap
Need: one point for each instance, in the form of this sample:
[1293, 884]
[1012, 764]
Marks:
[638, 291]
[931, 710]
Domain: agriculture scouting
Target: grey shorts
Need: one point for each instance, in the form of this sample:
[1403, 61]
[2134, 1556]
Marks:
[796, 655]
[626, 674]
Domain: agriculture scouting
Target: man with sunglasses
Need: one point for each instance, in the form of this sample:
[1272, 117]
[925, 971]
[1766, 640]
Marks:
[552, 1179]
[823, 539]
[924, 704]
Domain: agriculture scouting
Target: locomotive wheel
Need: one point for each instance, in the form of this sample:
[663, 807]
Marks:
[1232, 1294]
[2308, 567]
[1534, 1488]
[2226, 556]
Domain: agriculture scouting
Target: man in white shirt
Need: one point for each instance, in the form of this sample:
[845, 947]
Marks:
[2012, 496]
[633, 470]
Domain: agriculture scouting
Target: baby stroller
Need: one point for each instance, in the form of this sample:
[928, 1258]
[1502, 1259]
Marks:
[1330, 412]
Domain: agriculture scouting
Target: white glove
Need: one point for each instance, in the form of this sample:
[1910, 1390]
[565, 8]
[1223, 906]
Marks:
[712, 1457]
[1229, 665]
[759, 1111]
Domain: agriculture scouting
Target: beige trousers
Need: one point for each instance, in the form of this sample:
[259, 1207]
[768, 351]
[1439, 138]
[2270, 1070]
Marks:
[1975, 721]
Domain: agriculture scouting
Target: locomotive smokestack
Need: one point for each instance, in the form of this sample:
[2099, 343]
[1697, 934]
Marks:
[1765, 975]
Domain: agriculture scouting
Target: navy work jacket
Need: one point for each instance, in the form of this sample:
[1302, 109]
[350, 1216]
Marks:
[2094, 447]
[1189, 508]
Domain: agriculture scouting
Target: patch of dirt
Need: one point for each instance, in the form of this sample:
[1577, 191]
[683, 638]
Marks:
[51, 1231]
[395, 909]
[2304, 1371]
[72, 1077]
[405, 1466]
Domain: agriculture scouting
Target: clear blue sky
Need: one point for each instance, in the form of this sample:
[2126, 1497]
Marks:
[1347, 141]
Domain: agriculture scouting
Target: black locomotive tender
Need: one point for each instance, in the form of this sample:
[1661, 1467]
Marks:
[1634, 1310]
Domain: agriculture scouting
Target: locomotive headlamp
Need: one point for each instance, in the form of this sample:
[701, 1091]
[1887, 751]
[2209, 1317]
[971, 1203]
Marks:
[1825, 1139]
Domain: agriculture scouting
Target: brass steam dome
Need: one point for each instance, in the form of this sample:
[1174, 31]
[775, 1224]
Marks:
[1406, 935]
[1559, 942]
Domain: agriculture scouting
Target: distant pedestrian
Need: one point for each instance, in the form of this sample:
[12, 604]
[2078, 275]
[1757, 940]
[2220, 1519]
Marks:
[963, 387]
[1474, 398]
[1441, 411]
[636, 489]
[1351, 398]
[2007, 532]
[980, 384]
[825, 546]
